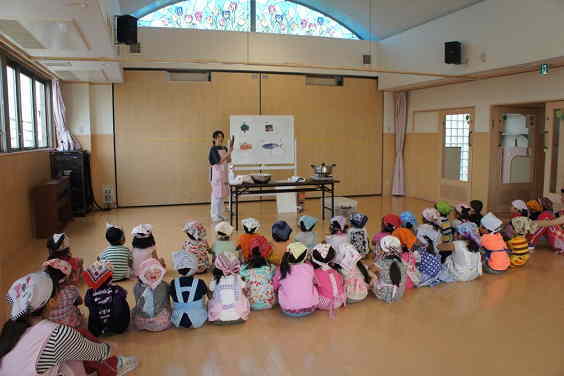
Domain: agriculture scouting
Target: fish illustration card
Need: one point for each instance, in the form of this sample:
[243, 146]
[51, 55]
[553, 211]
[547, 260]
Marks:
[263, 139]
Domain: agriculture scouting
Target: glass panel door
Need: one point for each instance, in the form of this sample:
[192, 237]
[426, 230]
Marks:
[515, 141]
[557, 153]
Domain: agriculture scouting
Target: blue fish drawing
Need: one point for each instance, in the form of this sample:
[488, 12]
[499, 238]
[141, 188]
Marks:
[271, 146]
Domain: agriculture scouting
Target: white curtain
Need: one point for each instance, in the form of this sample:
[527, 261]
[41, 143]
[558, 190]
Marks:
[400, 125]
[65, 141]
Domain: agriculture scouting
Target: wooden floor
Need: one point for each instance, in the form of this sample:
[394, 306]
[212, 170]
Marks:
[498, 325]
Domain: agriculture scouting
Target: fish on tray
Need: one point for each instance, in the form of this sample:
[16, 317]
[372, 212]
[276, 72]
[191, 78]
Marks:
[271, 146]
[245, 146]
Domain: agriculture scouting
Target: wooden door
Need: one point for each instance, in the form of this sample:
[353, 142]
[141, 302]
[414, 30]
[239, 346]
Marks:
[517, 156]
[554, 150]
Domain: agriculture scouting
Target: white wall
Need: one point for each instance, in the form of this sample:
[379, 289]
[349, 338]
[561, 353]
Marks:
[101, 109]
[77, 103]
[523, 88]
[508, 32]
[183, 45]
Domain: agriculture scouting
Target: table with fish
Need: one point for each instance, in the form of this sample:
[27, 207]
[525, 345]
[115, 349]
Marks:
[326, 187]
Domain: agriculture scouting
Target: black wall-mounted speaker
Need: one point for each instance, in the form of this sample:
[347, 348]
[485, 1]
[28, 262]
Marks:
[126, 29]
[453, 53]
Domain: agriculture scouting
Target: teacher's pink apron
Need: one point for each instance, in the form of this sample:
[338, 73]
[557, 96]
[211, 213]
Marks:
[219, 178]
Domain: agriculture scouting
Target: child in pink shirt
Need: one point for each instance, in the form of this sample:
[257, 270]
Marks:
[294, 281]
[330, 284]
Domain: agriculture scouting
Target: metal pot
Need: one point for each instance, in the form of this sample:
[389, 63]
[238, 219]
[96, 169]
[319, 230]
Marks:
[323, 169]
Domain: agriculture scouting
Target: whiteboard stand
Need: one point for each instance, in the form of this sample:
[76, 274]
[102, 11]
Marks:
[260, 168]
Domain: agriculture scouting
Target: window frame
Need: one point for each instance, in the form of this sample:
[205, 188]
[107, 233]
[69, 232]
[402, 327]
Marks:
[5, 131]
[253, 19]
[443, 124]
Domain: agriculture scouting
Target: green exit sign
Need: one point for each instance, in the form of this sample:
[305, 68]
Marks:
[544, 69]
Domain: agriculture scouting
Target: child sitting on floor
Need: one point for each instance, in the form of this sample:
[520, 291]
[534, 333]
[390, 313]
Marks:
[152, 310]
[117, 254]
[68, 297]
[465, 263]
[519, 209]
[409, 256]
[462, 214]
[188, 293]
[223, 243]
[476, 212]
[518, 244]
[197, 244]
[354, 273]
[337, 232]
[444, 210]
[358, 236]
[229, 305]
[144, 247]
[294, 282]
[106, 302]
[330, 284]
[535, 209]
[59, 248]
[429, 264]
[258, 274]
[307, 236]
[495, 259]
[430, 227]
[389, 285]
[281, 232]
[390, 222]
[408, 220]
[251, 227]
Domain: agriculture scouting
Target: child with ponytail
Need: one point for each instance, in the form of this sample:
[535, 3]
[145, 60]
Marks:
[354, 273]
[391, 271]
[329, 282]
[294, 282]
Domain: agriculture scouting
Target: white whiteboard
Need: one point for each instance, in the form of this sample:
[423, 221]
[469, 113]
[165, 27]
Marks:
[262, 139]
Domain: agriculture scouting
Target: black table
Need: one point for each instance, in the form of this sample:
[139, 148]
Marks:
[236, 191]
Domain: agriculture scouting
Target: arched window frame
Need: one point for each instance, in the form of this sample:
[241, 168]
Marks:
[159, 5]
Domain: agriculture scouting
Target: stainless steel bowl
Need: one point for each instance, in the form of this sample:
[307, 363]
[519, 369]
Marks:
[261, 178]
[323, 169]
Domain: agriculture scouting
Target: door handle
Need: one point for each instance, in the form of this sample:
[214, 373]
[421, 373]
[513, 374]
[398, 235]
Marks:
[470, 139]
[500, 139]
[545, 144]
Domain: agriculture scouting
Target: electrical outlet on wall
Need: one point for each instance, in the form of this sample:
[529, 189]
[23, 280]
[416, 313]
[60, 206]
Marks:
[108, 192]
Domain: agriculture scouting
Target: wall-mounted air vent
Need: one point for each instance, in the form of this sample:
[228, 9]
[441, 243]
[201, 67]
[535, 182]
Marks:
[320, 80]
[190, 76]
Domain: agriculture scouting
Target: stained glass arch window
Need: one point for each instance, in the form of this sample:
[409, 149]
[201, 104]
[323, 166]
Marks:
[271, 16]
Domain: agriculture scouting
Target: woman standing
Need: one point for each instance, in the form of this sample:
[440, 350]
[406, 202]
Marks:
[219, 157]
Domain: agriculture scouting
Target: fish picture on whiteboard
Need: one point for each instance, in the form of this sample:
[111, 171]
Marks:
[245, 146]
[272, 147]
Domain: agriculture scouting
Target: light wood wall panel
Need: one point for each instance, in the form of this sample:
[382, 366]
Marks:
[102, 165]
[163, 133]
[480, 166]
[21, 172]
[333, 124]
[423, 165]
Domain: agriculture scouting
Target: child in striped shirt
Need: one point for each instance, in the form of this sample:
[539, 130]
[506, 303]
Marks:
[446, 228]
[117, 254]
[518, 244]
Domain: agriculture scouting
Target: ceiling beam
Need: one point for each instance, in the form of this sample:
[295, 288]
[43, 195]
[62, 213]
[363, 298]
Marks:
[281, 65]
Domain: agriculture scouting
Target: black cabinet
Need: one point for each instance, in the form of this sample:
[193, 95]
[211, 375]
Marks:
[75, 165]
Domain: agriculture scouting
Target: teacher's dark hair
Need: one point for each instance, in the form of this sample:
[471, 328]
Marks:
[216, 134]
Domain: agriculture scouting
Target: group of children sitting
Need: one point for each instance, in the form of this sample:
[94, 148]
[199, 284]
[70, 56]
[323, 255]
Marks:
[302, 274]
